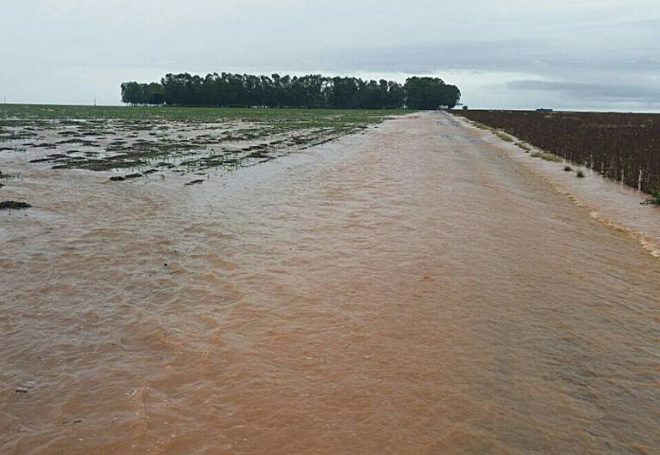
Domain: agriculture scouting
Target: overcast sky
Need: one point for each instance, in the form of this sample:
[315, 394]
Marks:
[565, 54]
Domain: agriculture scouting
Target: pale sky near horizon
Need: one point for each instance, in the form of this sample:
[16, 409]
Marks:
[517, 54]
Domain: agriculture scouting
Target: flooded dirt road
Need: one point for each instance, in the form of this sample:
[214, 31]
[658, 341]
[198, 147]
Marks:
[413, 289]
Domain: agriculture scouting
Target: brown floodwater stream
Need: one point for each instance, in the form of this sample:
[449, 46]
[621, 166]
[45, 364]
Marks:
[412, 289]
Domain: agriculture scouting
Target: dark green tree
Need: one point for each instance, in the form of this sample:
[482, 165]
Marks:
[430, 93]
[310, 91]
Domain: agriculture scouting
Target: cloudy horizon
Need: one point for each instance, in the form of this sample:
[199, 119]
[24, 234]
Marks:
[503, 54]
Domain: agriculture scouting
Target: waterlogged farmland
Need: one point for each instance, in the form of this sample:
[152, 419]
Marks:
[623, 147]
[129, 143]
[414, 288]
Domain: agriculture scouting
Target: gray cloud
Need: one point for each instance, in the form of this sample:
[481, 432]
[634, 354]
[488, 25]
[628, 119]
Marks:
[594, 52]
[605, 91]
[70, 51]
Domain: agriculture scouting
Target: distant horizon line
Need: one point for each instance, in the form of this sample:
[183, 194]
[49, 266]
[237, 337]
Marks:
[123, 105]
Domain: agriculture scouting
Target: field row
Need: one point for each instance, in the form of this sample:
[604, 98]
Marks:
[135, 142]
[623, 147]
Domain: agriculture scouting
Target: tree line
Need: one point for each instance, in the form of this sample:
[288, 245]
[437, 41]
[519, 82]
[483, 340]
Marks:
[311, 91]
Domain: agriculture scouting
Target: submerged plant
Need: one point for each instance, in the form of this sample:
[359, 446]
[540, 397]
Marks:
[655, 195]
[505, 137]
[13, 205]
[149, 140]
[546, 156]
[524, 146]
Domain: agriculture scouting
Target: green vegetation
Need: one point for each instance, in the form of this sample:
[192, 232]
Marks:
[136, 93]
[11, 114]
[546, 156]
[524, 146]
[311, 91]
[430, 92]
[568, 169]
[139, 141]
[505, 137]
[580, 174]
[481, 126]
[13, 205]
[655, 193]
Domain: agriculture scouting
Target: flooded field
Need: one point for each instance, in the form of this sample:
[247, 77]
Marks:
[137, 142]
[621, 146]
[412, 288]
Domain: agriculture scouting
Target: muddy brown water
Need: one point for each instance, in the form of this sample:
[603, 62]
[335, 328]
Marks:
[413, 289]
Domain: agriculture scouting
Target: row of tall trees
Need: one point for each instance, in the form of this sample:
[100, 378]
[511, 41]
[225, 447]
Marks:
[311, 91]
[136, 93]
[429, 93]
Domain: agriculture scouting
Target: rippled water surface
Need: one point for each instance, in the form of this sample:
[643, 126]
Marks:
[412, 289]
